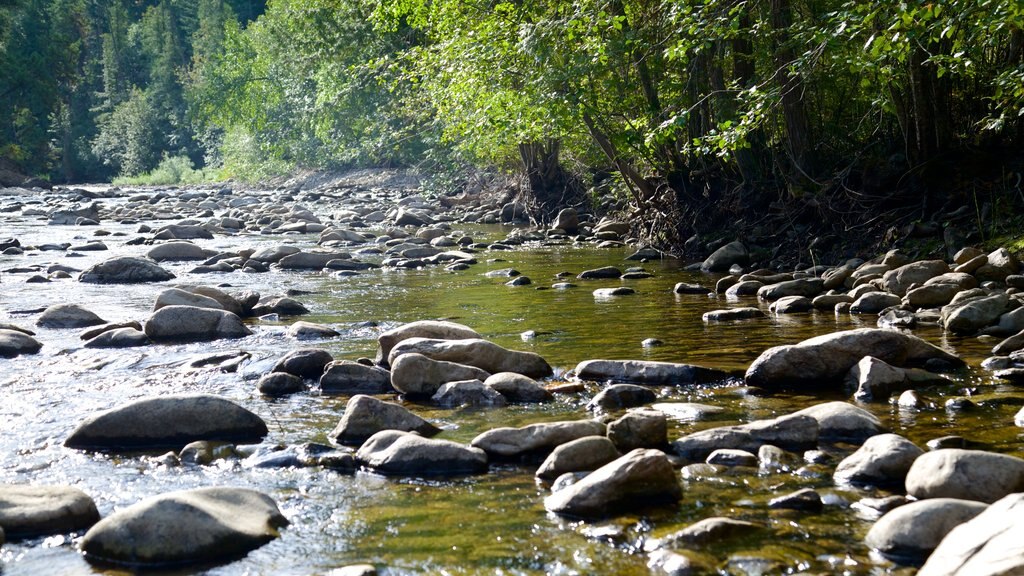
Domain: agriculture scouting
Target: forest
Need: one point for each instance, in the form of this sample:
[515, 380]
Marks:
[689, 113]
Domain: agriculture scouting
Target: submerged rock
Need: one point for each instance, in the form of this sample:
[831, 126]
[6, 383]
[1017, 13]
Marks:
[639, 478]
[167, 422]
[29, 511]
[202, 525]
[646, 372]
[404, 454]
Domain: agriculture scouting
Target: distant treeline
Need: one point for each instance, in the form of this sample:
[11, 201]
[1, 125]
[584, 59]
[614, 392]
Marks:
[676, 105]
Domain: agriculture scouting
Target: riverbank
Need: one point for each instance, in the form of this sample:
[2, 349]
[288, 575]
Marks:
[343, 267]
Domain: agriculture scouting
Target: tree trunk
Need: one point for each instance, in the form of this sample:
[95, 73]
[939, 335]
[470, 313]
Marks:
[544, 173]
[794, 112]
[642, 190]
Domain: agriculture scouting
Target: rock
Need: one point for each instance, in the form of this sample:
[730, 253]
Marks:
[434, 329]
[725, 257]
[310, 260]
[842, 421]
[684, 288]
[178, 251]
[467, 393]
[203, 525]
[14, 343]
[305, 363]
[639, 429]
[898, 281]
[606, 272]
[874, 302]
[518, 388]
[732, 314]
[169, 421]
[404, 454]
[990, 544]
[189, 323]
[686, 411]
[618, 396]
[280, 384]
[743, 288]
[282, 306]
[347, 377]
[965, 474]
[972, 315]
[791, 305]
[68, 316]
[539, 438]
[125, 270]
[710, 531]
[119, 338]
[824, 360]
[514, 211]
[354, 570]
[806, 499]
[836, 277]
[641, 477]
[302, 330]
[730, 457]
[807, 287]
[580, 455]
[567, 220]
[882, 460]
[419, 376]
[647, 373]
[30, 511]
[475, 352]
[602, 293]
[910, 532]
[365, 416]
[1001, 263]
[1011, 344]
[875, 380]
[794, 432]
[182, 232]
[931, 295]
[179, 297]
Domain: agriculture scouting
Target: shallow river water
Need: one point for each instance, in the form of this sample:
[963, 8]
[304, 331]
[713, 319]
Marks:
[488, 524]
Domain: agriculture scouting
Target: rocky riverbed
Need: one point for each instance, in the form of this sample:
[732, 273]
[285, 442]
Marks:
[362, 376]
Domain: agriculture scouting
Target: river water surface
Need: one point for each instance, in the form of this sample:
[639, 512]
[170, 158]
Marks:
[489, 524]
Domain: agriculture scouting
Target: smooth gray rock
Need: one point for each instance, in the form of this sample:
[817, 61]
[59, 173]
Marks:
[807, 287]
[602, 293]
[647, 372]
[419, 376]
[467, 393]
[302, 330]
[965, 474]
[539, 438]
[580, 455]
[517, 388]
[178, 251]
[882, 460]
[68, 316]
[911, 532]
[711, 531]
[874, 302]
[686, 411]
[618, 396]
[972, 315]
[875, 380]
[169, 421]
[899, 280]
[15, 343]
[641, 477]
[639, 429]
[29, 511]
[435, 329]
[280, 384]
[310, 260]
[931, 295]
[824, 360]
[990, 544]
[125, 270]
[795, 432]
[567, 220]
[179, 297]
[365, 416]
[806, 499]
[304, 363]
[725, 257]
[119, 338]
[483, 354]
[732, 314]
[608, 272]
[212, 525]
[189, 323]
[348, 377]
[182, 232]
[791, 305]
[397, 453]
[1009, 345]
[843, 421]
[732, 457]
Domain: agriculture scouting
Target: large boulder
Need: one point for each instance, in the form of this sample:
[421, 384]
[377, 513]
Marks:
[807, 287]
[842, 421]
[973, 314]
[348, 377]
[125, 270]
[167, 422]
[178, 251]
[15, 343]
[725, 257]
[310, 260]
[639, 478]
[883, 460]
[909, 533]
[580, 455]
[1000, 264]
[182, 232]
[436, 329]
[793, 432]
[647, 373]
[990, 544]
[567, 220]
[28, 511]
[483, 354]
[965, 474]
[210, 525]
[535, 438]
[405, 454]
[898, 281]
[365, 416]
[189, 323]
[639, 429]
[179, 297]
[419, 376]
[127, 337]
[305, 363]
[824, 360]
[68, 316]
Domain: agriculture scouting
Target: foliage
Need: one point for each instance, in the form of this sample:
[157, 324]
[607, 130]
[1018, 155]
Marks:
[172, 170]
